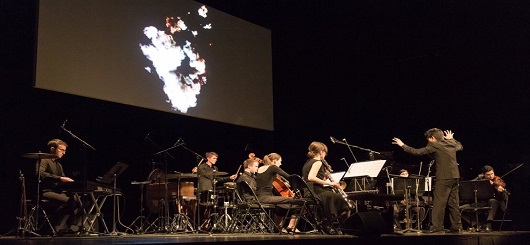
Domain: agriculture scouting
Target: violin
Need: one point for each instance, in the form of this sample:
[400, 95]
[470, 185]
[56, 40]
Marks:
[497, 181]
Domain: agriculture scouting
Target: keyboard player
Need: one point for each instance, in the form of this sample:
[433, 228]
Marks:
[51, 175]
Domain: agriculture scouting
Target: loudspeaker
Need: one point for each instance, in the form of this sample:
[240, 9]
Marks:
[364, 224]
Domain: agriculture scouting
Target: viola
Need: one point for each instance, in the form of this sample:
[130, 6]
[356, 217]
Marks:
[283, 187]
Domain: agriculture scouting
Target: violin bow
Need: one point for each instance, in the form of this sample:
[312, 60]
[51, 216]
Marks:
[512, 170]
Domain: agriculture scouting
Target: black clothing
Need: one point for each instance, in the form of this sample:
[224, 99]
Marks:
[264, 188]
[332, 203]
[447, 176]
[206, 182]
[497, 203]
[51, 172]
[250, 179]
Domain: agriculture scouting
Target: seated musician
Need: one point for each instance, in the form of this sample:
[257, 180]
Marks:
[399, 208]
[314, 172]
[51, 174]
[248, 175]
[266, 175]
[498, 203]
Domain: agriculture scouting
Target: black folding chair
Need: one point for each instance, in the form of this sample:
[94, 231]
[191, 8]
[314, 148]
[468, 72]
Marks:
[250, 215]
[310, 211]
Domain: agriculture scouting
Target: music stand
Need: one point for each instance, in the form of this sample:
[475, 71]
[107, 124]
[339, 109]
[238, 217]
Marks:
[110, 177]
[364, 170]
[406, 186]
[475, 190]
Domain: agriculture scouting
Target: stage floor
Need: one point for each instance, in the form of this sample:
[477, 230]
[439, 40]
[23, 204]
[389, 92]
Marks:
[468, 238]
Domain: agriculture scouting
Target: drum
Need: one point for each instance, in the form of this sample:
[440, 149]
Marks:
[230, 185]
[226, 196]
[187, 188]
[155, 193]
[208, 198]
[187, 206]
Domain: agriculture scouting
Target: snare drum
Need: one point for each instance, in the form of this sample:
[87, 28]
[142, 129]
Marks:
[208, 198]
[230, 185]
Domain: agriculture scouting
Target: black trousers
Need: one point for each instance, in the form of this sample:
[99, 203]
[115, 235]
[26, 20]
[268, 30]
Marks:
[446, 196]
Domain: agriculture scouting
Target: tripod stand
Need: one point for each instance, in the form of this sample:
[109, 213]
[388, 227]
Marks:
[31, 222]
[139, 229]
[184, 199]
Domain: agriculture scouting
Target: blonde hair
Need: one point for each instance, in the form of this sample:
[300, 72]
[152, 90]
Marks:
[268, 159]
[315, 148]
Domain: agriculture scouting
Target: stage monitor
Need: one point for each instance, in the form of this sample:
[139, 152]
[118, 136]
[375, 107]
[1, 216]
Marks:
[174, 56]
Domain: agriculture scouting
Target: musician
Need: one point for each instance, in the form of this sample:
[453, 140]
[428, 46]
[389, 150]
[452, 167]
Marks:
[442, 147]
[248, 175]
[314, 172]
[498, 203]
[51, 174]
[205, 171]
[399, 208]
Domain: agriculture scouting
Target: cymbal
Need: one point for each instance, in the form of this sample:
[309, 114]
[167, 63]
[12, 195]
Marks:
[39, 155]
[181, 176]
[141, 182]
[217, 173]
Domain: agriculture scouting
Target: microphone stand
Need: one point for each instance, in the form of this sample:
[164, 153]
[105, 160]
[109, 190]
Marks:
[84, 178]
[349, 148]
[166, 190]
[343, 142]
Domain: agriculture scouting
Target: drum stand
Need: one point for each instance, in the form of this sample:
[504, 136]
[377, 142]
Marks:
[139, 229]
[181, 222]
[31, 221]
[213, 216]
[224, 220]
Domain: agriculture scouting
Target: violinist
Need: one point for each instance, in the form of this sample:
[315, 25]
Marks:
[498, 203]
[265, 177]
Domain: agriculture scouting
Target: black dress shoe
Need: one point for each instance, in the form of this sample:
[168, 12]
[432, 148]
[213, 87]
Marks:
[458, 231]
[434, 231]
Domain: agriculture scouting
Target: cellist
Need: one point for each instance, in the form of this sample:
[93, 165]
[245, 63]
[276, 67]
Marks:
[266, 175]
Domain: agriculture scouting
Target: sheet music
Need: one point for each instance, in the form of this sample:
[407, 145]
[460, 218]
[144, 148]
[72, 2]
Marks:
[369, 168]
[336, 176]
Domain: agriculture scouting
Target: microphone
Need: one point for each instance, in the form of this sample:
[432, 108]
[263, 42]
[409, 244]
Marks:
[147, 136]
[64, 123]
[333, 140]
[246, 147]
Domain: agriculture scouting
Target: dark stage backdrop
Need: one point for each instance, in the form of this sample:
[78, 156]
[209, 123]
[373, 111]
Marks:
[363, 71]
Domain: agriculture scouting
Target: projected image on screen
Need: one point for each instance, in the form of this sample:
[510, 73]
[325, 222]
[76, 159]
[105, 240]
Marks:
[175, 56]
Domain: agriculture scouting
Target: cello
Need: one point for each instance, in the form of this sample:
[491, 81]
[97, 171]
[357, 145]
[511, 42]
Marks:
[282, 186]
[279, 183]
